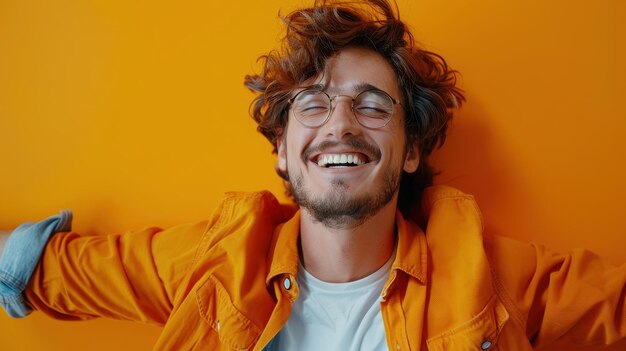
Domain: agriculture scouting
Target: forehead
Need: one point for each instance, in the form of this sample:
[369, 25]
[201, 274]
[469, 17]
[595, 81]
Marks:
[355, 69]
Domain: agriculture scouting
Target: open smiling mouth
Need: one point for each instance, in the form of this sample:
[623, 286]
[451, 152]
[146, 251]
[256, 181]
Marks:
[340, 160]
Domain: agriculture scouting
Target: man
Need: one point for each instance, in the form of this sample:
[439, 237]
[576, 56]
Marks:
[353, 110]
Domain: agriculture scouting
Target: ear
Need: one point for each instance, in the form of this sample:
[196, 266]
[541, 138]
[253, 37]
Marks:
[281, 152]
[412, 160]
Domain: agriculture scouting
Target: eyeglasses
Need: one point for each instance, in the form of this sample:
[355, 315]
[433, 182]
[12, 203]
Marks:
[372, 108]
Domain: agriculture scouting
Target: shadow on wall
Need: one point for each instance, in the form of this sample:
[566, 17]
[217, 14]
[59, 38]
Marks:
[478, 161]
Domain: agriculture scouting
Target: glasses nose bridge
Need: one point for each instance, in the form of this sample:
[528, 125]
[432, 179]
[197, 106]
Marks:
[333, 102]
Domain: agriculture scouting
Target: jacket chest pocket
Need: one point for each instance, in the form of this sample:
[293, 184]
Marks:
[479, 333]
[236, 332]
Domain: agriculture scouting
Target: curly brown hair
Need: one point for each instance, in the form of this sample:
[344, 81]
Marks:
[315, 34]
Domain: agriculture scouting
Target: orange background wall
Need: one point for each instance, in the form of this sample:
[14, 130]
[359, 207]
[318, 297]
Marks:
[133, 113]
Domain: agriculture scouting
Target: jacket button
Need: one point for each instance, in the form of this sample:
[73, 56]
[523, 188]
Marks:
[485, 345]
[287, 283]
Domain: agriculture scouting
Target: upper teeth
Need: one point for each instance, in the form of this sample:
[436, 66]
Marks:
[326, 160]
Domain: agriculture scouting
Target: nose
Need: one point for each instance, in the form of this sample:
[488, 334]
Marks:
[342, 120]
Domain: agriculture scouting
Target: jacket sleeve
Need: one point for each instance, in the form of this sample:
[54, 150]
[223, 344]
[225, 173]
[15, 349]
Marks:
[576, 296]
[131, 276]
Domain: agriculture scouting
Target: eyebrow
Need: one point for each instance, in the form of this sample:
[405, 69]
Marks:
[360, 87]
[357, 88]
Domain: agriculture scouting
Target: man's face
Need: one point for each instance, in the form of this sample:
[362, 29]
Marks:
[344, 196]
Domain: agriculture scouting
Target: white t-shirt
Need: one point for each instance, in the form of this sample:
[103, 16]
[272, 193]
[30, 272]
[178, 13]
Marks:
[336, 316]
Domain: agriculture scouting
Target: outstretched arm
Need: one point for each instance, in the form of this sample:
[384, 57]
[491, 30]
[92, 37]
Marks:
[576, 296]
[132, 276]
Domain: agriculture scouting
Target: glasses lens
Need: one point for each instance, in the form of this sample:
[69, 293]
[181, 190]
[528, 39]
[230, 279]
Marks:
[373, 108]
[311, 107]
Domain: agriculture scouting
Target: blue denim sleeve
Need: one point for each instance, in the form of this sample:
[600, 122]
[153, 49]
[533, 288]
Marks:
[20, 256]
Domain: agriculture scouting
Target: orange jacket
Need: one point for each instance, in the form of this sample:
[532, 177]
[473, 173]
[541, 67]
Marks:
[220, 285]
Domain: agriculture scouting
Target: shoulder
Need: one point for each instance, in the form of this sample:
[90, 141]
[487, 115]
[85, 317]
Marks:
[445, 203]
[435, 193]
[244, 214]
[252, 205]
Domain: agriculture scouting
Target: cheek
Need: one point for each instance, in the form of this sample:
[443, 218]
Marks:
[397, 155]
[298, 139]
[291, 151]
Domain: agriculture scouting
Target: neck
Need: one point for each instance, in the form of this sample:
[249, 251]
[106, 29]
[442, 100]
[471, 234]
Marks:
[343, 255]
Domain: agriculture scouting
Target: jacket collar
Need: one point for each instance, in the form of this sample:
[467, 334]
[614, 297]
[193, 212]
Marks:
[283, 254]
[411, 251]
